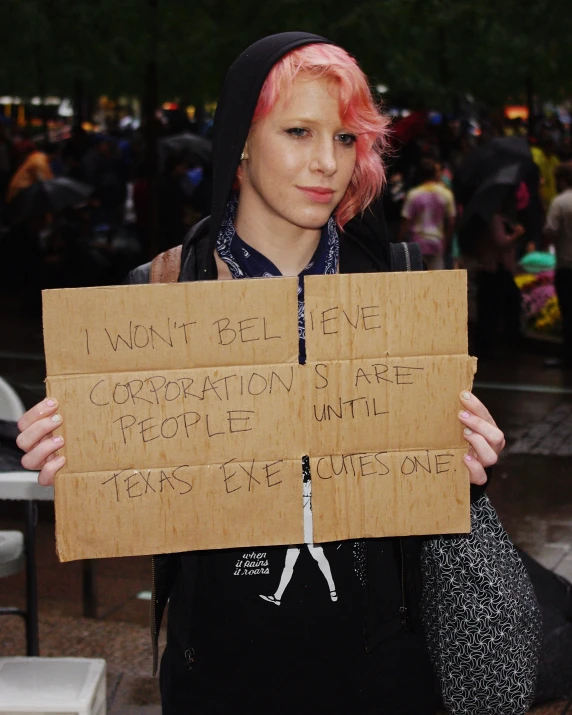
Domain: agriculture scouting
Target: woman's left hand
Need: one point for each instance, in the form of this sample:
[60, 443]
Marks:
[481, 432]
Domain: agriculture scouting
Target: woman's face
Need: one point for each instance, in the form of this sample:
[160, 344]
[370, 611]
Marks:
[299, 159]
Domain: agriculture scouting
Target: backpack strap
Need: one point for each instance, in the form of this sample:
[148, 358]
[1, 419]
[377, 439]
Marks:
[406, 257]
[165, 267]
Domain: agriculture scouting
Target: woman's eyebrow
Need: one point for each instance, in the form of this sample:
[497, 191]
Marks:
[301, 119]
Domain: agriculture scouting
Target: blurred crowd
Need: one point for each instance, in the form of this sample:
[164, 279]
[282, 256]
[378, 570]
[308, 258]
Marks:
[80, 212]
[495, 199]
[497, 202]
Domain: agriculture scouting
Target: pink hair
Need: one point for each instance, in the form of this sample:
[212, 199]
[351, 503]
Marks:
[358, 112]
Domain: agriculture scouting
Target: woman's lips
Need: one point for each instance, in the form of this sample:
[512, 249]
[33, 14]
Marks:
[320, 196]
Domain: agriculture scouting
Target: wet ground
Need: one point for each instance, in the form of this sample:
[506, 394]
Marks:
[531, 489]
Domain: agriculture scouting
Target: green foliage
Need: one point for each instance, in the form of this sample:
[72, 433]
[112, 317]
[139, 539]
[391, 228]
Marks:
[437, 49]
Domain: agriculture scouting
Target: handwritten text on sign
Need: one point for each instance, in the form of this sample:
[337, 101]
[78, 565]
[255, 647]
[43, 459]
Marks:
[187, 414]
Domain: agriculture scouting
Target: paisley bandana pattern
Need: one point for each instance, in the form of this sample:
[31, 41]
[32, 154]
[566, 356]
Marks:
[481, 619]
[243, 261]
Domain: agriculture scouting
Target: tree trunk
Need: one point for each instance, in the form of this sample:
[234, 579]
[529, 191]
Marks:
[530, 104]
[149, 107]
[41, 80]
[79, 108]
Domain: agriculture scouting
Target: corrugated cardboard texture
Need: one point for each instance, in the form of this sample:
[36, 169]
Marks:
[395, 493]
[369, 315]
[398, 403]
[148, 511]
[140, 327]
[186, 413]
[120, 420]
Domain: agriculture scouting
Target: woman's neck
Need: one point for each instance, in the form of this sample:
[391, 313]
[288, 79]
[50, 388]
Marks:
[289, 247]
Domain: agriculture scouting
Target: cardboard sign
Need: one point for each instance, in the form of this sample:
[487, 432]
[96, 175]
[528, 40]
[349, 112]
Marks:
[186, 413]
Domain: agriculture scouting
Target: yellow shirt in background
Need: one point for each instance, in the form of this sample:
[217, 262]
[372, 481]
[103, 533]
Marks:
[547, 165]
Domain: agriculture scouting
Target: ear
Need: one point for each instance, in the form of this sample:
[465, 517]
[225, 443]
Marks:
[245, 152]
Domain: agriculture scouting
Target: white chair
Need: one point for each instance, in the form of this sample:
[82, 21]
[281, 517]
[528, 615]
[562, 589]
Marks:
[11, 406]
[17, 551]
[52, 685]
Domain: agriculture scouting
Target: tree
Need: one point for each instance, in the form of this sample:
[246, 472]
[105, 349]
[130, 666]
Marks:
[438, 49]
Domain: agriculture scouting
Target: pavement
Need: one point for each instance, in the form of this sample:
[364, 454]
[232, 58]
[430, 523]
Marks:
[531, 489]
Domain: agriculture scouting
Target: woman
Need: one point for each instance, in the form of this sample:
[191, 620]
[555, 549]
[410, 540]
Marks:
[297, 150]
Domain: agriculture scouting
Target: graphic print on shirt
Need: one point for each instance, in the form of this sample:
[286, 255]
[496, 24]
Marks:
[252, 564]
[316, 552]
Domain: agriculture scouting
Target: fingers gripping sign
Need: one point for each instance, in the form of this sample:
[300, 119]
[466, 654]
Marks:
[486, 440]
[36, 438]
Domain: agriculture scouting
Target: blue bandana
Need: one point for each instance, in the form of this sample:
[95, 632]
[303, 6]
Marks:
[246, 262]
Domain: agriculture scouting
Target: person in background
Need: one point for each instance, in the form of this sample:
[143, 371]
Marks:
[103, 170]
[6, 162]
[23, 145]
[174, 194]
[565, 152]
[489, 253]
[35, 167]
[544, 156]
[558, 231]
[428, 215]
[74, 151]
[141, 202]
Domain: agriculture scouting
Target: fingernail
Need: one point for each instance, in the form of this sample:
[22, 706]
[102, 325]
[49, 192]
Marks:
[56, 418]
[59, 440]
[468, 431]
[468, 458]
[466, 395]
[463, 414]
[50, 402]
[59, 462]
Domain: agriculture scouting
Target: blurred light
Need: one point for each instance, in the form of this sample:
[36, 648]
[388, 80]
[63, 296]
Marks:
[382, 88]
[474, 127]
[65, 109]
[35, 101]
[170, 106]
[516, 112]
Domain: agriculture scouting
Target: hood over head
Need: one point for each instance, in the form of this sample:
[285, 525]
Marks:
[233, 117]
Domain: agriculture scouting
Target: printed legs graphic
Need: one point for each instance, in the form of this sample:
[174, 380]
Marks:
[291, 558]
[317, 553]
[292, 554]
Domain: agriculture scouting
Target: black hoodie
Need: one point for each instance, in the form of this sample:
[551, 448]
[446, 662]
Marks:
[233, 118]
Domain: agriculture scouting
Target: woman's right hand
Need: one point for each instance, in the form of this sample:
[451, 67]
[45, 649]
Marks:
[36, 439]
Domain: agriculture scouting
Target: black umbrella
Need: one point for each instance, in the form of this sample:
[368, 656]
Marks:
[512, 148]
[48, 196]
[486, 161]
[186, 143]
[492, 193]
